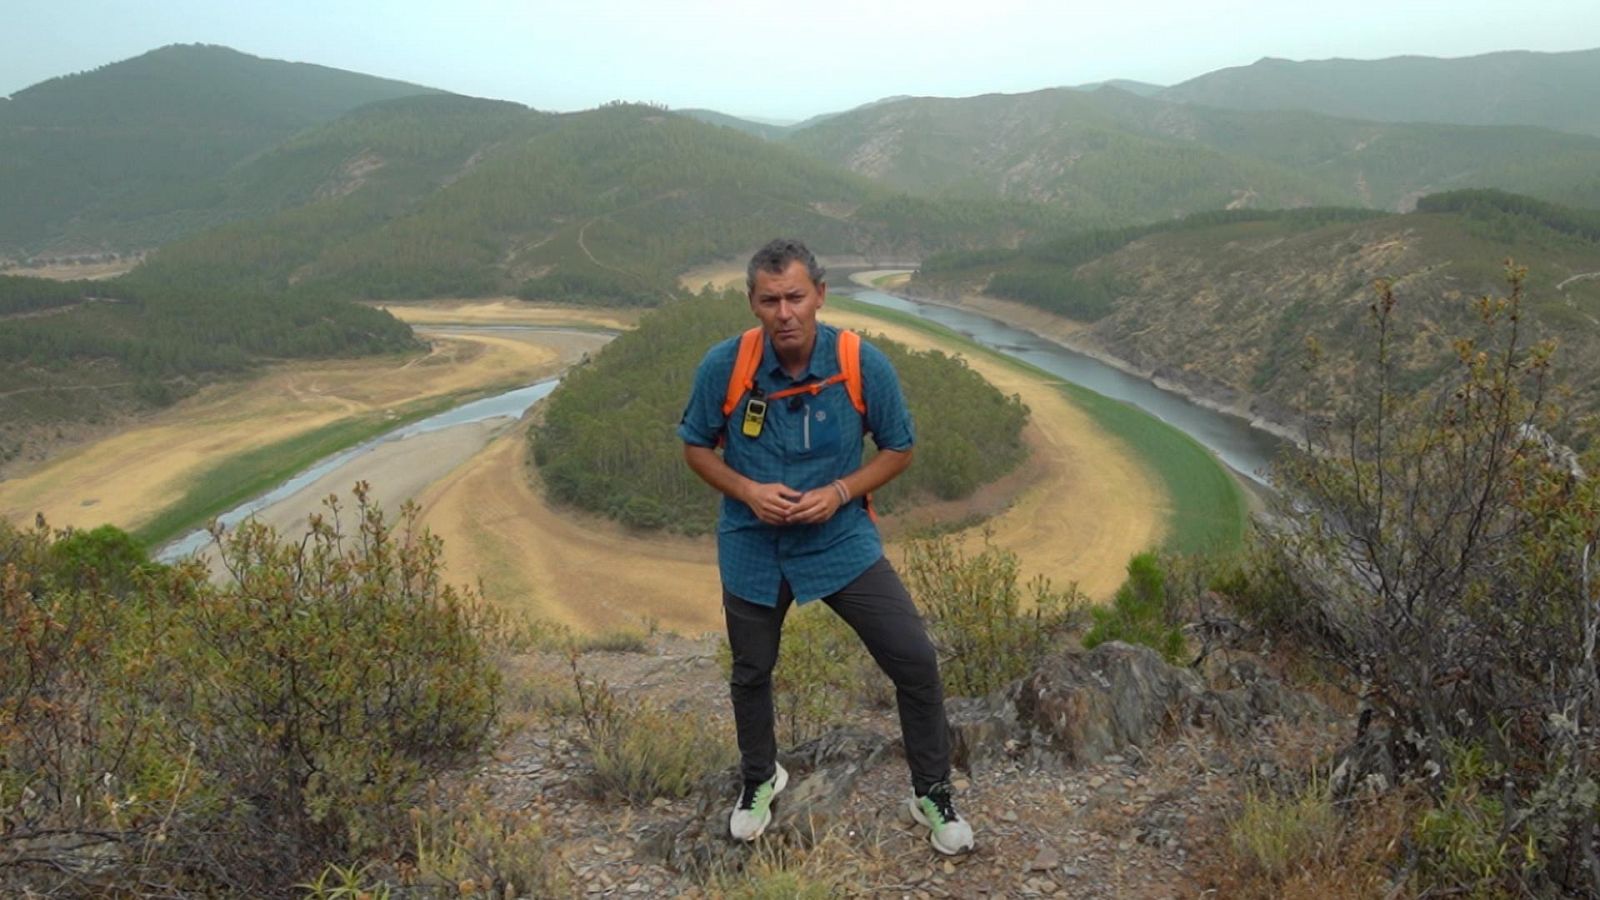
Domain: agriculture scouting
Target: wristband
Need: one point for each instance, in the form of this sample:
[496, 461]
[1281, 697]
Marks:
[844, 492]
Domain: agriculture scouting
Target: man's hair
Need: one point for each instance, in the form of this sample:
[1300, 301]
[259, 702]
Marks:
[776, 256]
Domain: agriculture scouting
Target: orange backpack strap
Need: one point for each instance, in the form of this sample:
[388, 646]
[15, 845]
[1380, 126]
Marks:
[850, 368]
[743, 377]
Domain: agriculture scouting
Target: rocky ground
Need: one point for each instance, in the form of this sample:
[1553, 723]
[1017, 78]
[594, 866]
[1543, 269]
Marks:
[1103, 775]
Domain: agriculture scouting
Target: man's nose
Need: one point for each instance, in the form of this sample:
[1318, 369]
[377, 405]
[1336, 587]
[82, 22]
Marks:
[785, 309]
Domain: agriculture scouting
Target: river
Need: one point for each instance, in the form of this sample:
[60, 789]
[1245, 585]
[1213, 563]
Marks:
[1242, 447]
[412, 456]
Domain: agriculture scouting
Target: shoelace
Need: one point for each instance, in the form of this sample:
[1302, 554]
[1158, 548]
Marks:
[747, 797]
[943, 802]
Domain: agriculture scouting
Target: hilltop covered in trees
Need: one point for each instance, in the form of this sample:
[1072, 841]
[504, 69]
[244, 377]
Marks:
[608, 442]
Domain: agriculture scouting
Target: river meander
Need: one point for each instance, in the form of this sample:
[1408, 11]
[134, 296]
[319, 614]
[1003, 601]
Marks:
[423, 452]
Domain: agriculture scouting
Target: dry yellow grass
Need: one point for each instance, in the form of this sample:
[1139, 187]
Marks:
[126, 478]
[1093, 504]
[582, 571]
[85, 272]
[510, 311]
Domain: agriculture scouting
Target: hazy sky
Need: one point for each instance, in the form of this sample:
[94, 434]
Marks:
[784, 60]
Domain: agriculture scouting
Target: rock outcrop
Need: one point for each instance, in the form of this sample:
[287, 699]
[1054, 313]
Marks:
[1079, 707]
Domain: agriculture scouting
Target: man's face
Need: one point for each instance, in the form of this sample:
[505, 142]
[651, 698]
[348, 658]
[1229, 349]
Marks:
[786, 303]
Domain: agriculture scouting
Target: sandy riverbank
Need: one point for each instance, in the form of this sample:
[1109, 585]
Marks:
[126, 478]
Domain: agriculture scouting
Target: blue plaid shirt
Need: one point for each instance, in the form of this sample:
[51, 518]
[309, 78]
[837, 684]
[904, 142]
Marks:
[807, 442]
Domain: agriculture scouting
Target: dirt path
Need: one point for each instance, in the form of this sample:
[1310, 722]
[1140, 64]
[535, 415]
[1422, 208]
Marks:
[86, 272]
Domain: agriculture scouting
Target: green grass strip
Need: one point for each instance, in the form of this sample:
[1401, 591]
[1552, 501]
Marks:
[246, 475]
[1208, 505]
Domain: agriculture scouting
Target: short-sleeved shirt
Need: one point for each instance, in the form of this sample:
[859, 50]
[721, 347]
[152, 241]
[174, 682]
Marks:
[806, 442]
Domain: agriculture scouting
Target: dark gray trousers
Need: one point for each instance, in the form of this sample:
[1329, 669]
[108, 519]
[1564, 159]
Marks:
[878, 607]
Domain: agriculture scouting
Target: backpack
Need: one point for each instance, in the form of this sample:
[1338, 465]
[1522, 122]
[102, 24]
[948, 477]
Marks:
[743, 377]
[742, 380]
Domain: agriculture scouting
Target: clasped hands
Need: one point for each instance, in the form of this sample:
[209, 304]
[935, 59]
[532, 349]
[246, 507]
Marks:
[779, 504]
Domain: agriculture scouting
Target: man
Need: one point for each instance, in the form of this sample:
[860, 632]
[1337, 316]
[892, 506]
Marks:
[795, 527]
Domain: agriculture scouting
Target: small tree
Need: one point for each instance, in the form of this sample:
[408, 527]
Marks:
[1138, 613]
[1439, 546]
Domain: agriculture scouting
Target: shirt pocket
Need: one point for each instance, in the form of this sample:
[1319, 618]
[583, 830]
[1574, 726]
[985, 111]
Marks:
[823, 430]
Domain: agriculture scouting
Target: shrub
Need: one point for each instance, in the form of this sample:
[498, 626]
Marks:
[1277, 835]
[187, 736]
[988, 632]
[823, 670]
[641, 751]
[1437, 550]
[465, 846]
[1138, 613]
[335, 675]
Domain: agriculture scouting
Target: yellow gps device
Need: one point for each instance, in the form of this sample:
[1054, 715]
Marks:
[755, 413]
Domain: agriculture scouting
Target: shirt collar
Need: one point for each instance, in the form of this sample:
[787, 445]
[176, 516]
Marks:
[821, 351]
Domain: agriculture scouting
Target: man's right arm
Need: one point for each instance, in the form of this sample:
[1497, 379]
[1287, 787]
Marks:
[772, 503]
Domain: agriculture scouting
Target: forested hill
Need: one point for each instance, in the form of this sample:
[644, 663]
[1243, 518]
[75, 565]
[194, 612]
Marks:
[1130, 159]
[1560, 91]
[607, 442]
[1223, 302]
[607, 206]
[443, 195]
[122, 155]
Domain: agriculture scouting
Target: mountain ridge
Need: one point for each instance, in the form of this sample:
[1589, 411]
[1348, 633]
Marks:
[1560, 91]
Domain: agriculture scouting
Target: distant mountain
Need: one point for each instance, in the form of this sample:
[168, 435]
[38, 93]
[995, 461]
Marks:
[1221, 303]
[1560, 91]
[448, 196]
[1139, 88]
[1120, 158]
[120, 156]
[767, 131]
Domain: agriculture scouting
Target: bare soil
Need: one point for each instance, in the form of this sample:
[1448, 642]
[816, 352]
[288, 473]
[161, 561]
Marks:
[511, 311]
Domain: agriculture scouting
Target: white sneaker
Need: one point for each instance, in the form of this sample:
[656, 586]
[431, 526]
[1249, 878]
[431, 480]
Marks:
[947, 831]
[754, 811]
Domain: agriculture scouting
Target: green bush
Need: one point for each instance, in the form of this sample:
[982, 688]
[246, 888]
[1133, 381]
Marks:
[988, 631]
[199, 737]
[823, 671]
[1138, 613]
